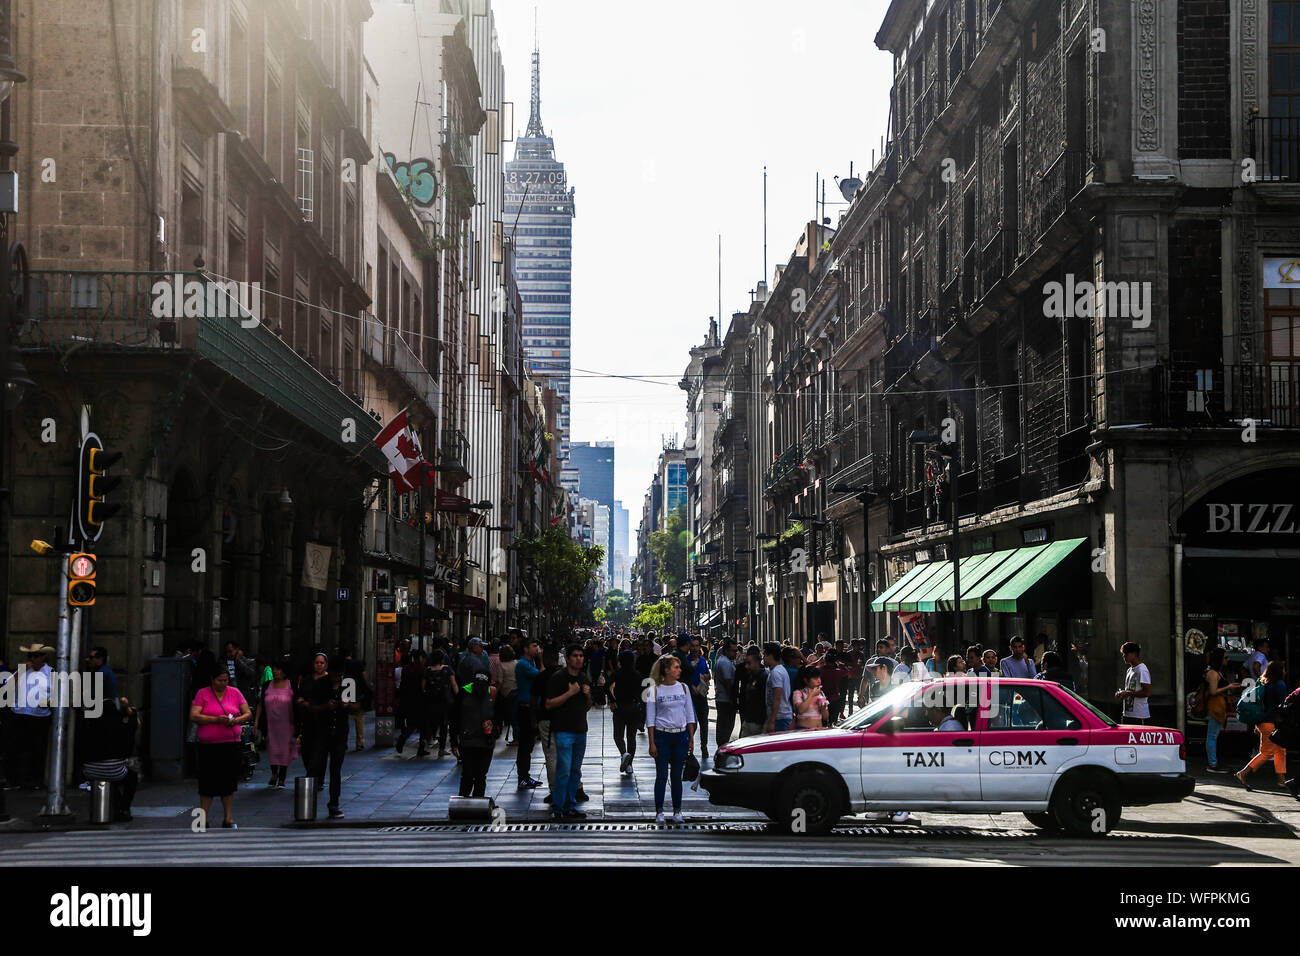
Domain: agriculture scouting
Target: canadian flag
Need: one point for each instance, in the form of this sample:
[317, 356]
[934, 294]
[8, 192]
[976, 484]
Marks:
[406, 464]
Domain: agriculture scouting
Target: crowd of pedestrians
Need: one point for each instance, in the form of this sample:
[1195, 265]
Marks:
[662, 690]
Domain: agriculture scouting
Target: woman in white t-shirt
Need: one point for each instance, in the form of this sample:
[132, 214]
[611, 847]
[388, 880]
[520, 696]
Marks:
[670, 723]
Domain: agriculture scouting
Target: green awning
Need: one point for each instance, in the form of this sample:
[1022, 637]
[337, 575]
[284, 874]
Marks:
[939, 596]
[972, 598]
[907, 581]
[1036, 579]
[933, 570]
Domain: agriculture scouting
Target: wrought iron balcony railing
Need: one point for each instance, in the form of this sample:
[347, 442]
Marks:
[1061, 183]
[1275, 147]
[140, 313]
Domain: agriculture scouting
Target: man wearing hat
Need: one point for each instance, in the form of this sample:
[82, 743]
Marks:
[31, 719]
[474, 662]
[473, 739]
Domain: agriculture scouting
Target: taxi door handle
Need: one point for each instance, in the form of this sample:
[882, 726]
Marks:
[1067, 740]
[964, 742]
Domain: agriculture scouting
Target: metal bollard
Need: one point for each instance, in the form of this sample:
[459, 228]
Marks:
[101, 801]
[304, 799]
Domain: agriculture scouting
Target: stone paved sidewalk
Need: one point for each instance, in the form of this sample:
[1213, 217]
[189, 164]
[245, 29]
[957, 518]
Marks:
[383, 787]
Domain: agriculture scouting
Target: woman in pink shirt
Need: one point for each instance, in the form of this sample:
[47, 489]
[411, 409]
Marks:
[811, 708]
[220, 712]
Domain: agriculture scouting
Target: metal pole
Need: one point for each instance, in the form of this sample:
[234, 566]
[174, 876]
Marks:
[54, 763]
[956, 560]
[864, 577]
[1176, 661]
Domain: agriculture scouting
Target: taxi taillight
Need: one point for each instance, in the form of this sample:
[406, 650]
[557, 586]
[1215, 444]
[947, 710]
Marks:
[1182, 752]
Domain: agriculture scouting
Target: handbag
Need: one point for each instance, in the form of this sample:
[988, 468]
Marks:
[691, 768]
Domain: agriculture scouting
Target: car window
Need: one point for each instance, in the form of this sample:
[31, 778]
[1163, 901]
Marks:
[1027, 708]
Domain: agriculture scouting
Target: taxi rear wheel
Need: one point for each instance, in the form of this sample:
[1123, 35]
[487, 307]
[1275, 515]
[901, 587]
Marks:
[1086, 805]
[814, 793]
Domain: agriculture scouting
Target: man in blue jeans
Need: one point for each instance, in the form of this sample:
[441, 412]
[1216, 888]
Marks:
[568, 697]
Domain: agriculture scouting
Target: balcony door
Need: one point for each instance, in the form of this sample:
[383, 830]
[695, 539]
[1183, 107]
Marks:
[1282, 313]
[1283, 124]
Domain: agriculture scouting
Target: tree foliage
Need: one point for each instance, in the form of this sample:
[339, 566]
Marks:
[566, 570]
[669, 547]
[618, 607]
[653, 617]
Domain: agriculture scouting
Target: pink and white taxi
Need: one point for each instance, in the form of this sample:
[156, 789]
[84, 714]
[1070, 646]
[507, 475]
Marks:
[978, 745]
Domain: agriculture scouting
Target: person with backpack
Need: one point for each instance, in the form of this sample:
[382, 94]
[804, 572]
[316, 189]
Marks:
[1262, 710]
[1212, 701]
[439, 695]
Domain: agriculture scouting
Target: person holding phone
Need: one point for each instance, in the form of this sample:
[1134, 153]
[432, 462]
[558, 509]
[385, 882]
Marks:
[811, 708]
[220, 712]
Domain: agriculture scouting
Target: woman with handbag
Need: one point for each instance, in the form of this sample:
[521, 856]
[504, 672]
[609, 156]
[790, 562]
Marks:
[1274, 694]
[670, 722]
[1216, 690]
[220, 712]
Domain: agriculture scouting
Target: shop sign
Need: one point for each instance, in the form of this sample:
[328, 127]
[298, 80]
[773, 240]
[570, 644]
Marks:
[1259, 510]
[1282, 273]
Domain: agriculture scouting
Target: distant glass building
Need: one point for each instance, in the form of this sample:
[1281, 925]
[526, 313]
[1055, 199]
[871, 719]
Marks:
[539, 213]
[675, 492]
[595, 464]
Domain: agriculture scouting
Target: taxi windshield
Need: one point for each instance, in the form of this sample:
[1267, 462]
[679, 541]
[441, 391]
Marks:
[874, 710]
[1108, 721]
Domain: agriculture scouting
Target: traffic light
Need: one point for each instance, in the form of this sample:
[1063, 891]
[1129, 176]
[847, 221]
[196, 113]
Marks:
[94, 485]
[81, 579]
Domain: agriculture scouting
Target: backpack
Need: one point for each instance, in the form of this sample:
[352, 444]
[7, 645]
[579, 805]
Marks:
[1250, 707]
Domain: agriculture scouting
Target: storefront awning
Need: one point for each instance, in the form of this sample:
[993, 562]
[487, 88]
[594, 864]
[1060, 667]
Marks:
[913, 582]
[1037, 580]
[974, 594]
[709, 617]
[938, 596]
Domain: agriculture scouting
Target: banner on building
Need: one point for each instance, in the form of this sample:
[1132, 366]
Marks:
[316, 566]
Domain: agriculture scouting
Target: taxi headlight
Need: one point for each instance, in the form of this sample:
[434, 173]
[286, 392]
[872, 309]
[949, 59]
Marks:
[728, 761]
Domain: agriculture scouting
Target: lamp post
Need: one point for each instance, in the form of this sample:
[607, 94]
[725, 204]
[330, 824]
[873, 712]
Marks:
[814, 525]
[865, 495]
[749, 583]
[948, 450]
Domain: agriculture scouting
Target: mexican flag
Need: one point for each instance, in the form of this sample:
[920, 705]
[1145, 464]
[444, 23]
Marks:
[406, 464]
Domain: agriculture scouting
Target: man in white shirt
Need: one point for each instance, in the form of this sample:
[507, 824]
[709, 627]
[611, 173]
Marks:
[1137, 686]
[31, 719]
[779, 713]
[1259, 659]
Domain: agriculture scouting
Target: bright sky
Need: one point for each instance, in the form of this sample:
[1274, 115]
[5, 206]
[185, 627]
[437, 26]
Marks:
[664, 115]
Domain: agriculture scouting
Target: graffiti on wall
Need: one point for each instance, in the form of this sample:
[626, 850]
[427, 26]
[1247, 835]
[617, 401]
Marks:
[416, 178]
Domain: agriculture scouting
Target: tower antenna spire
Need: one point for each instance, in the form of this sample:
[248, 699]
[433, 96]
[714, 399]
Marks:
[535, 107]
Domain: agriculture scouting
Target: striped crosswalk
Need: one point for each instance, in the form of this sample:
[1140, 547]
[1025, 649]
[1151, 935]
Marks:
[626, 845]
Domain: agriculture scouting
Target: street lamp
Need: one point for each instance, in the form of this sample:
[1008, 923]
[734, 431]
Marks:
[948, 450]
[865, 495]
[811, 522]
[749, 584]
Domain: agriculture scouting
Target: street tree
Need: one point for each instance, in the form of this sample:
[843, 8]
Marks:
[653, 617]
[618, 607]
[566, 572]
[670, 547]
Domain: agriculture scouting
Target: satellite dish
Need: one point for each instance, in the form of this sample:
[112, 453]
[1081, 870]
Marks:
[849, 186]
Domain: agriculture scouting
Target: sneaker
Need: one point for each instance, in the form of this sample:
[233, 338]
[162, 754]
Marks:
[901, 816]
[336, 813]
[1217, 770]
[546, 799]
[625, 763]
[527, 784]
[678, 818]
[659, 818]
[582, 796]
[229, 825]
[574, 815]
[84, 786]
[557, 818]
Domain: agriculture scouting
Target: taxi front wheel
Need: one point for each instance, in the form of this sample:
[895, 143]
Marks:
[808, 802]
[1086, 805]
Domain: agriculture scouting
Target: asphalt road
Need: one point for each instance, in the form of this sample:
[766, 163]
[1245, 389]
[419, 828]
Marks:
[634, 844]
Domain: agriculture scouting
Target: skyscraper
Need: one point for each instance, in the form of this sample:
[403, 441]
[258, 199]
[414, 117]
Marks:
[595, 464]
[539, 213]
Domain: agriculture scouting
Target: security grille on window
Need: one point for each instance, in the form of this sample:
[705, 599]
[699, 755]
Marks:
[306, 175]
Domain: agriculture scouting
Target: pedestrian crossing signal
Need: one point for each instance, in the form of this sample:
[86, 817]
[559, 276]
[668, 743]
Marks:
[81, 579]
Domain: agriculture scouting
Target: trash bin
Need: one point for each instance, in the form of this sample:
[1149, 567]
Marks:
[304, 799]
[101, 801]
[471, 808]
